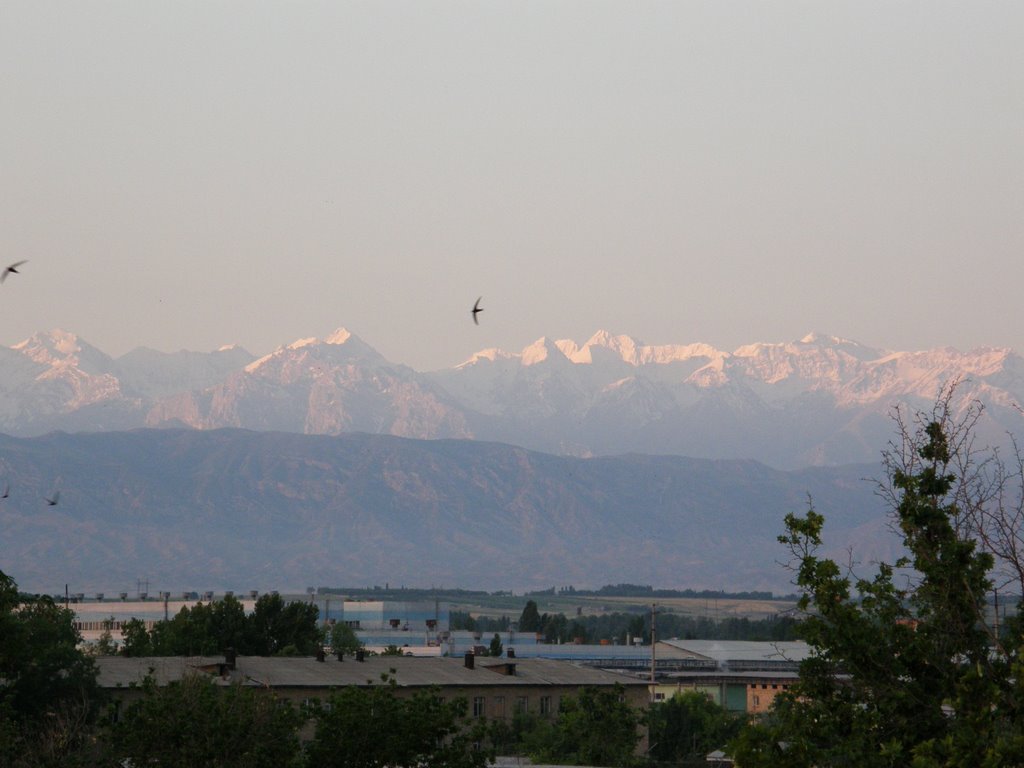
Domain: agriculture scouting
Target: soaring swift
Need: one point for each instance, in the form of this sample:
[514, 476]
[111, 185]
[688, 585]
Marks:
[476, 309]
[11, 270]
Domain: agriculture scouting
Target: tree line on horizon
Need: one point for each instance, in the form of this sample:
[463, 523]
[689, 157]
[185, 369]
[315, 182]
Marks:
[619, 627]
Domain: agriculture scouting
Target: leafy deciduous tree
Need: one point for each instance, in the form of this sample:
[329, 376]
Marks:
[686, 727]
[196, 722]
[47, 685]
[373, 727]
[906, 669]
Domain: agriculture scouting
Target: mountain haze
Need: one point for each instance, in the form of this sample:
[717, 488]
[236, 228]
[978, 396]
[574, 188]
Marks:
[196, 510]
[818, 401]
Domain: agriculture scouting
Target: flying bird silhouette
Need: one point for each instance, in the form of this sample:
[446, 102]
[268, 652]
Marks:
[11, 270]
[476, 309]
[7, 491]
[52, 500]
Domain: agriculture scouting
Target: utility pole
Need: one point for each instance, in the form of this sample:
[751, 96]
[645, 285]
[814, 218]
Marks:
[654, 641]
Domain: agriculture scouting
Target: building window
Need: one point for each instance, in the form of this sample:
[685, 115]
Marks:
[545, 705]
[522, 705]
[499, 706]
[478, 706]
[757, 700]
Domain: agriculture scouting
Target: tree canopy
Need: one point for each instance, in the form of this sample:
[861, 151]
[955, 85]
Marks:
[907, 667]
[371, 727]
[48, 690]
[274, 627]
[195, 722]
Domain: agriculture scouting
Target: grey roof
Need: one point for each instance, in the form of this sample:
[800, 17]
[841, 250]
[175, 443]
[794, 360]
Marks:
[296, 672]
[588, 652]
[746, 652]
[121, 672]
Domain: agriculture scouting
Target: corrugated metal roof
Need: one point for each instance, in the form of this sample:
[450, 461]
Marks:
[725, 651]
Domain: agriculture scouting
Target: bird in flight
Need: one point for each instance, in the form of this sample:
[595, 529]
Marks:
[475, 310]
[7, 491]
[11, 270]
[52, 500]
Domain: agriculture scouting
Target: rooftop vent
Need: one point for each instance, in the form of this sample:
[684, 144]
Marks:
[470, 660]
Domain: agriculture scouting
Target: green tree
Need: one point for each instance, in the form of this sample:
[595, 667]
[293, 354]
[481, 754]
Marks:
[597, 727]
[529, 619]
[135, 638]
[275, 625]
[555, 628]
[344, 639]
[905, 669]
[189, 633]
[195, 722]
[495, 648]
[47, 685]
[685, 728]
[372, 728]
[105, 644]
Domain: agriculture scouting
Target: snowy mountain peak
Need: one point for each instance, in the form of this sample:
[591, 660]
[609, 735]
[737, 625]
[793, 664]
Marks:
[340, 336]
[339, 345]
[815, 337]
[542, 349]
[63, 348]
[49, 344]
[626, 348]
[636, 353]
[491, 354]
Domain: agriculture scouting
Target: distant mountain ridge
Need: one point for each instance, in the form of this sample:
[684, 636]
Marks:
[821, 400]
[235, 509]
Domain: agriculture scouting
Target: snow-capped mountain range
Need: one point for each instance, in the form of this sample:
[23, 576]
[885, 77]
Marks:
[821, 400]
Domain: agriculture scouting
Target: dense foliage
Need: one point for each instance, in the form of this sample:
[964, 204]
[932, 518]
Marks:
[615, 627]
[597, 727]
[686, 727]
[195, 722]
[907, 669]
[646, 590]
[372, 728]
[206, 629]
[48, 691]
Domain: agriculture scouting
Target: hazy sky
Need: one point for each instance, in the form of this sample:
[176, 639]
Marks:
[190, 174]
